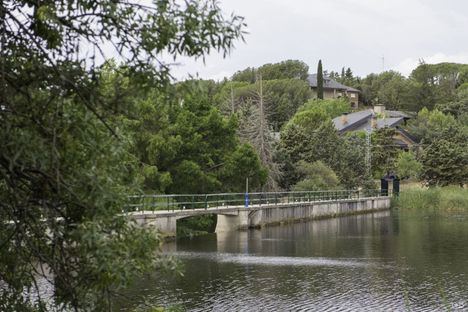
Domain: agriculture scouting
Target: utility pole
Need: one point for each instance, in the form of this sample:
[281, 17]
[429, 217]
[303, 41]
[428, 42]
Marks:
[232, 100]
[368, 160]
[383, 63]
[262, 115]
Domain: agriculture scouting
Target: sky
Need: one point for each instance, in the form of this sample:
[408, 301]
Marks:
[368, 36]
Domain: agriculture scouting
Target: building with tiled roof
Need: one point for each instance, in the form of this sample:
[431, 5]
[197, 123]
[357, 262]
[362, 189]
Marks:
[374, 119]
[332, 89]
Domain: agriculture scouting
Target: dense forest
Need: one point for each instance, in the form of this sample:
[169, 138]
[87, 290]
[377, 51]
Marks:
[78, 136]
[264, 124]
[201, 136]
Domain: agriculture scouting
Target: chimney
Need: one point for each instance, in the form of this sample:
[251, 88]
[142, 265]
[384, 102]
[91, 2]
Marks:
[344, 119]
[379, 109]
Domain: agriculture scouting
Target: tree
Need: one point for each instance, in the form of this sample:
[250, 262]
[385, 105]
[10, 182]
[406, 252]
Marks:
[445, 162]
[315, 176]
[255, 129]
[407, 166]
[241, 164]
[65, 165]
[185, 145]
[319, 81]
[289, 69]
[310, 136]
[384, 151]
[437, 83]
[351, 166]
[458, 107]
[428, 125]
[330, 108]
[388, 88]
[247, 75]
[284, 97]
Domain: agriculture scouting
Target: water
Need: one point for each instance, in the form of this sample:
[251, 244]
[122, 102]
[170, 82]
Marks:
[376, 262]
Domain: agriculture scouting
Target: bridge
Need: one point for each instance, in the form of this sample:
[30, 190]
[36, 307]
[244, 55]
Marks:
[237, 211]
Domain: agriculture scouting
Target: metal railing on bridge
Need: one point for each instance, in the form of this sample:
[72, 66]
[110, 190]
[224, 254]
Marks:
[225, 200]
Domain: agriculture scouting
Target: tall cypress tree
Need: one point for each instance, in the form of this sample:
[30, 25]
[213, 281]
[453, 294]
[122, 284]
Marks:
[320, 81]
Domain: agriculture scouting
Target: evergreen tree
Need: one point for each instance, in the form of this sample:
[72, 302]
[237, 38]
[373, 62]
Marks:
[320, 80]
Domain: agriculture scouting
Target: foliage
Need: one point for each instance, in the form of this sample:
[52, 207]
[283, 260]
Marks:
[290, 69]
[351, 166]
[384, 152]
[65, 164]
[433, 199]
[445, 160]
[284, 97]
[64, 203]
[188, 146]
[459, 106]
[388, 88]
[330, 108]
[243, 163]
[407, 166]
[437, 83]
[430, 124]
[315, 176]
[255, 129]
[319, 80]
[445, 148]
[196, 225]
[311, 136]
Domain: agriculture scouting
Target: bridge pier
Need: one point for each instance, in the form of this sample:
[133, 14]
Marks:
[165, 224]
[233, 222]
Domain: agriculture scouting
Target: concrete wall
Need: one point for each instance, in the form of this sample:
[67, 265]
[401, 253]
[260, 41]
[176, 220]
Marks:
[241, 218]
[308, 211]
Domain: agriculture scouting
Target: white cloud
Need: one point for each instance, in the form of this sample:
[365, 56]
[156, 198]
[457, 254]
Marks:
[349, 33]
[407, 65]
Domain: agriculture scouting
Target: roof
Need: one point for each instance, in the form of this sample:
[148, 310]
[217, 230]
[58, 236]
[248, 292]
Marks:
[362, 120]
[329, 83]
[389, 122]
[353, 120]
[393, 113]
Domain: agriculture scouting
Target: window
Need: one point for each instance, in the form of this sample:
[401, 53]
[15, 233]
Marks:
[353, 95]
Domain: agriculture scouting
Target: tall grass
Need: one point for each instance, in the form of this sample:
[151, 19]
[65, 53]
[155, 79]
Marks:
[450, 198]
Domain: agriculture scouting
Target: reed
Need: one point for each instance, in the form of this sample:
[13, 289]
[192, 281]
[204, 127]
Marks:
[450, 198]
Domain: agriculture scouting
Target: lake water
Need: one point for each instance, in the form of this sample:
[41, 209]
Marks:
[385, 261]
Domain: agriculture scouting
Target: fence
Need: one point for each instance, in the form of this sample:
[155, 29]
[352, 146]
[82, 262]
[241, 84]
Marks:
[226, 200]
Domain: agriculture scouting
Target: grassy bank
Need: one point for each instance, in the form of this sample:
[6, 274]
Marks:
[438, 198]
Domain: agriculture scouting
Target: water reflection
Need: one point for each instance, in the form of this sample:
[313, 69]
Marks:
[375, 262]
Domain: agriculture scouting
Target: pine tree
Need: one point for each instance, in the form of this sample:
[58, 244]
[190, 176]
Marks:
[320, 81]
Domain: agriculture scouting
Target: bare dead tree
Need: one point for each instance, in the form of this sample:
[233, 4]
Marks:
[254, 129]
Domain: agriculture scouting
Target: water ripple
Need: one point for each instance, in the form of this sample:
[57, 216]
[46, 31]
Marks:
[273, 261]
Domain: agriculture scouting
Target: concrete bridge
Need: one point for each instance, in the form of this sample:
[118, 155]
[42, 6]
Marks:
[259, 209]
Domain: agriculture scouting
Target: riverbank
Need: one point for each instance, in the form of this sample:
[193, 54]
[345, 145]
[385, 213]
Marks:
[450, 198]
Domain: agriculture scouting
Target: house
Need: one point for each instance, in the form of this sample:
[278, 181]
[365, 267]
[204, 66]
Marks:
[374, 119]
[332, 89]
